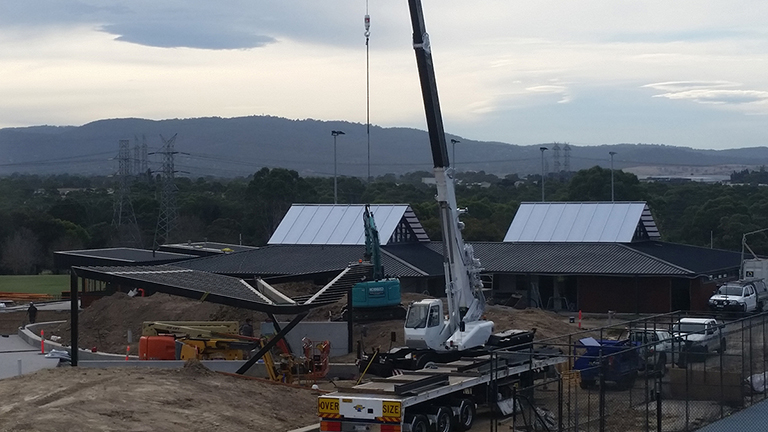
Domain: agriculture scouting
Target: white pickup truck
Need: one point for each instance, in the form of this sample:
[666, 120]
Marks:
[655, 347]
[740, 296]
[699, 335]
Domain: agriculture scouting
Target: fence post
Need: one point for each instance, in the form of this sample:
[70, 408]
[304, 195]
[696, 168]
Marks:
[601, 397]
[658, 405]
[560, 403]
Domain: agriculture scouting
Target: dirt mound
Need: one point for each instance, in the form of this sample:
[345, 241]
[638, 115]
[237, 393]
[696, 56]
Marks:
[193, 367]
[547, 324]
[105, 323]
[139, 399]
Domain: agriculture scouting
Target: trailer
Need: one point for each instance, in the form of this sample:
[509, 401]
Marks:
[443, 397]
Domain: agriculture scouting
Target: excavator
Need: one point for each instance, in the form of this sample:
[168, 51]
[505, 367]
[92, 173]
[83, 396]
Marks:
[378, 298]
[432, 334]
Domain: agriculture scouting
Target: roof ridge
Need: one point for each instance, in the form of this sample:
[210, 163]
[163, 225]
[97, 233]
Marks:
[403, 262]
[647, 255]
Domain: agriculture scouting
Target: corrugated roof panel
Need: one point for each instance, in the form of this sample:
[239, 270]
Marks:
[576, 222]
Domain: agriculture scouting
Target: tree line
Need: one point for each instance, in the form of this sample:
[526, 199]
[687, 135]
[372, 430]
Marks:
[43, 214]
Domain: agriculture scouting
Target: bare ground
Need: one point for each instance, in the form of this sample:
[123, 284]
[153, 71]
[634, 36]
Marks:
[188, 399]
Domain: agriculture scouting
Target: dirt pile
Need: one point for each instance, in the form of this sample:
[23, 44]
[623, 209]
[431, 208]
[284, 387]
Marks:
[139, 399]
[104, 324]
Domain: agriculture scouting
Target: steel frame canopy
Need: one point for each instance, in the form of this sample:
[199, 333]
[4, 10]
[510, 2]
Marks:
[192, 284]
[197, 285]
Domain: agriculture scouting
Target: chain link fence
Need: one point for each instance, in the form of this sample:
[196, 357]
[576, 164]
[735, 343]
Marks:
[652, 374]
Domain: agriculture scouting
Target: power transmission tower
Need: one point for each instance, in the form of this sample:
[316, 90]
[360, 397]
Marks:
[567, 165]
[136, 157]
[144, 166]
[166, 220]
[556, 157]
[123, 216]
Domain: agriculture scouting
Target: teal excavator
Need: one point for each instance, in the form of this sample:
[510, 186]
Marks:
[379, 297]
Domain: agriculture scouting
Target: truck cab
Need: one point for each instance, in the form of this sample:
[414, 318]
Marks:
[740, 296]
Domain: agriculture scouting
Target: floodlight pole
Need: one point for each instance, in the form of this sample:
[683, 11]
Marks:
[612, 154]
[543, 149]
[335, 133]
[453, 155]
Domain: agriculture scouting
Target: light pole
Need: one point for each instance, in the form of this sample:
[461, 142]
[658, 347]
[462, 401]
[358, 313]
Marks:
[453, 156]
[543, 149]
[335, 133]
[612, 153]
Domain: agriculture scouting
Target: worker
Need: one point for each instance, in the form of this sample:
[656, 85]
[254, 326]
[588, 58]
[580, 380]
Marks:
[32, 312]
[247, 328]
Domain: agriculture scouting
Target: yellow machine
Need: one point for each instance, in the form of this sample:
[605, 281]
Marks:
[218, 340]
[202, 340]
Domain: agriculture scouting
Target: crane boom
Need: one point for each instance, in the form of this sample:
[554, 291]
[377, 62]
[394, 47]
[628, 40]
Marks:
[462, 270]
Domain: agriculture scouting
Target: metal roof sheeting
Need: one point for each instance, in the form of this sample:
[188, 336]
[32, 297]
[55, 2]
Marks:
[276, 260]
[572, 258]
[324, 224]
[590, 222]
[189, 283]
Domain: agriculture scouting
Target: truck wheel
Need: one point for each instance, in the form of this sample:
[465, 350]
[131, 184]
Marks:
[466, 415]
[744, 308]
[444, 419]
[419, 423]
[587, 384]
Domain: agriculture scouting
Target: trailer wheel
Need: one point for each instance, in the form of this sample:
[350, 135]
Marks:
[419, 423]
[466, 415]
[444, 419]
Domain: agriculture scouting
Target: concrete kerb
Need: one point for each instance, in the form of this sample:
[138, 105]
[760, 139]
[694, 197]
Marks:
[311, 428]
[28, 334]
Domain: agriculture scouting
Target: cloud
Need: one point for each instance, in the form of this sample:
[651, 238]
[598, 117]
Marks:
[176, 35]
[552, 89]
[235, 24]
[709, 92]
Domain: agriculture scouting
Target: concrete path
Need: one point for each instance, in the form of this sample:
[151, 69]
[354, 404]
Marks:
[13, 349]
[754, 418]
[53, 305]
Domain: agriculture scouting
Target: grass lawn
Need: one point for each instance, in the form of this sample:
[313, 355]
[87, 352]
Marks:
[40, 284]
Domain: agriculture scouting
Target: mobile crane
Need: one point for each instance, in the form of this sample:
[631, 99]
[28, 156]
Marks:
[429, 337]
[444, 396]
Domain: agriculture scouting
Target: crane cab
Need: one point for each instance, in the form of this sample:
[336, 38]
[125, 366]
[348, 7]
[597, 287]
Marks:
[423, 324]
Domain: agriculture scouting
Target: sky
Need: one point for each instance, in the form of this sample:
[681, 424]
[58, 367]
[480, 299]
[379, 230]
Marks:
[589, 72]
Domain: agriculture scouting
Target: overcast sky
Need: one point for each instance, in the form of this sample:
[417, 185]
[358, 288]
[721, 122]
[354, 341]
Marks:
[588, 72]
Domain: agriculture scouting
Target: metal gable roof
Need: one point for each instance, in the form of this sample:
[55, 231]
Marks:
[572, 258]
[329, 224]
[590, 222]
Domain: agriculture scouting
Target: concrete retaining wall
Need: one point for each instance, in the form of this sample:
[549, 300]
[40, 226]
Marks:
[316, 331]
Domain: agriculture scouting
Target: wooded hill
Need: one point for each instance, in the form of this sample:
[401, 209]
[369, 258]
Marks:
[231, 147]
